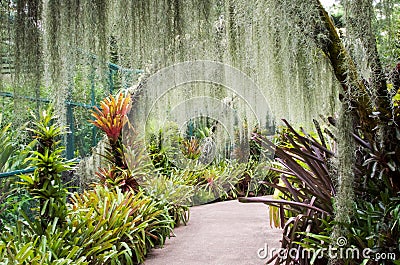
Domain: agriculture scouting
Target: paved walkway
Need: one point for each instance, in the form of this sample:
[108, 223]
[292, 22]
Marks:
[224, 233]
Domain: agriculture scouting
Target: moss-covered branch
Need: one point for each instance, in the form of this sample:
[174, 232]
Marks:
[355, 91]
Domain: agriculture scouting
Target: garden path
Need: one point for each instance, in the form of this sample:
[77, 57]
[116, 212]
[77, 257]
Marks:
[224, 233]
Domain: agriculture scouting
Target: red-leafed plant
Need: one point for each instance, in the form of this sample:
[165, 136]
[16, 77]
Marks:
[308, 190]
[111, 119]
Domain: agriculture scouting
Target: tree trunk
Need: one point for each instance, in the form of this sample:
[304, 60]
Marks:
[370, 111]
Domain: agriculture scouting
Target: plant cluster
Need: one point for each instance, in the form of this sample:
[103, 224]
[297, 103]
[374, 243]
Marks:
[12, 199]
[304, 184]
[109, 224]
[215, 180]
[305, 204]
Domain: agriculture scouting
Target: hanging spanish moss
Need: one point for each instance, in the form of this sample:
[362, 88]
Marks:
[70, 55]
[294, 75]
[344, 168]
[25, 19]
[62, 50]
[362, 23]
[77, 36]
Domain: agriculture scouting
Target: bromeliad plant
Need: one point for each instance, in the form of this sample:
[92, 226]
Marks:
[191, 148]
[45, 184]
[114, 227]
[174, 191]
[218, 182]
[112, 116]
[111, 119]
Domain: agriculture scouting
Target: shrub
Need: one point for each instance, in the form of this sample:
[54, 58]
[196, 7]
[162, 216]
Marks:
[307, 187]
[111, 225]
[45, 184]
[174, 192]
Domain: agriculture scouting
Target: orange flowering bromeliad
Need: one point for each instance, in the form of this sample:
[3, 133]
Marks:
[111, 118]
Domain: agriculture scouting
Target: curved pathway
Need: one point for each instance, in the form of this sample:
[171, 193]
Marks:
[224, 233]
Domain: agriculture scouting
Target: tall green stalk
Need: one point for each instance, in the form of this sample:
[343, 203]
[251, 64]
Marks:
[45, 184]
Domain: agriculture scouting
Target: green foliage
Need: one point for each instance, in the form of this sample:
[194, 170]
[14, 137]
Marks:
[314, 242]
[218, 181]
[115, 227]
[375, 224]
[12, 199]
[22, 246]
[387, 24]
[6, 146]
[212, 182]
[161, 145]
[309, 193]
[174, 192]
[45, 183]
[102, 226]
[254, 177]
[11, 157]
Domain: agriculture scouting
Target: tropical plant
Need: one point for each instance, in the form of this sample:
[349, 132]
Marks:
[309, 192]
[254, 179]
[6, 145]
[191, 148]
[111, 119]
[13, 201]
[374, 226]
[218, 181]
[12, 156]
[174, 191]
[162, 145]
[115, 227]
[45, 183]
[308, 189]
[25, 247]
